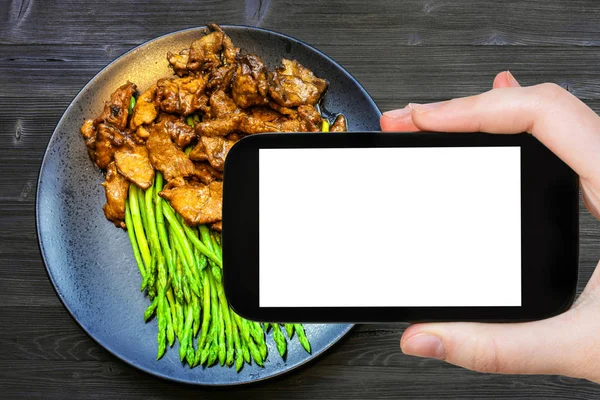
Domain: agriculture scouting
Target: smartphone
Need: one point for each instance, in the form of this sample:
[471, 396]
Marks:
[377, 227]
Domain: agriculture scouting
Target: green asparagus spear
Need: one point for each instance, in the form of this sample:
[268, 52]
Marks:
[170, 327]
[206, 349]
[205, 235]
[238, 323]
[200, 245]
[216, 270]
[210, 352]
[222, 345]
[289, 328]
[190, 356]
[196, 306]
[131, 105]
[150, 310]
[213, 351]
[254, 350]
[187, 332]
[245, 351]
[148, 226]
[216, 245]
[162, 234]
[133, 240]
[151, 278]
[180, 320]
[213, 343]
[227, 320]
[199, 258]
[262, 348]
[162, 327]
[302, 337]
[239, 354]
[188, 276]
[141, 204]
[138, 227]
[187, 296]
[279, 339]
[178, 232]
[206, 310]
[190, 121]
[178, 267]
[256, 331]
[173, 307]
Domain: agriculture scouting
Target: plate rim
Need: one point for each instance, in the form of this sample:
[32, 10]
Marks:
[305, 361]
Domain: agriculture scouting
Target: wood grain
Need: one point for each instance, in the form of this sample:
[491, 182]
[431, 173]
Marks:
[414, 50]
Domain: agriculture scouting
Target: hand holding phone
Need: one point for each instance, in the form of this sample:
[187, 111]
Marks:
[567, 344]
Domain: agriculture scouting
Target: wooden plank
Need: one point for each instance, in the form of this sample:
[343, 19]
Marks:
[411, 22]
[419, 73]
[87, 379]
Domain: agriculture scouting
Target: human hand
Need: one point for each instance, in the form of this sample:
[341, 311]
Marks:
[567, 344]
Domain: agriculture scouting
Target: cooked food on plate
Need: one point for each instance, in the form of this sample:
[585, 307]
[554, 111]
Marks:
[163, 150]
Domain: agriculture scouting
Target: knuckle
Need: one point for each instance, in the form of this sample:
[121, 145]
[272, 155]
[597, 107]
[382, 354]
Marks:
[551, 91]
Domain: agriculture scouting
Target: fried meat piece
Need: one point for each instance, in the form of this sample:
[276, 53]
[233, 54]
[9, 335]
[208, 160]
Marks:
[116, 187]
[221, 105]
[145, 109]
[339, 125]
[198, 153]
[249, 86]
[211, 51]
[104, 134]
[225, 114]
[219, 127]
[220, 78]
[216, 150]
[116, 110]
[292, 85]
[88, 131]
[132, 161]
[181, 133]
[179, 62]
[205, 53]
[165, 156]
[229, 51]
[310, 119]
[142, 133]
[259, 120]
[108, 139]
[283, 110]
[206, 173]
[181, 96]
[217, 226]
[196, 202]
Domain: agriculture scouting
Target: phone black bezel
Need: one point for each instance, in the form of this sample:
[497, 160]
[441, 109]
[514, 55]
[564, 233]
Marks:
[549, 229]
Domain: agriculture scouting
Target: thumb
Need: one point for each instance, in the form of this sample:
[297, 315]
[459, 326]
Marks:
[505, 79]
[562, 345]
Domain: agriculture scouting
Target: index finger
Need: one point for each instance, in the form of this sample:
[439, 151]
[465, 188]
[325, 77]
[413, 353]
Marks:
[558, 119]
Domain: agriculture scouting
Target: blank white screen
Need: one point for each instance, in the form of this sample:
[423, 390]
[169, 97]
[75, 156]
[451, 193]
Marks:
[390, 227]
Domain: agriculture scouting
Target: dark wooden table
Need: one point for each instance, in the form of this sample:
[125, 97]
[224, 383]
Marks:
[401, 51]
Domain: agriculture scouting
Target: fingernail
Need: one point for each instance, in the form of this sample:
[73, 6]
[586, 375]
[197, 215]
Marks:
[419, 108]
[424, 345]
[398, 114]
[511, 79]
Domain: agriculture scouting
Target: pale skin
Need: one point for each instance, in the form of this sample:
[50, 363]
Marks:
[568, 344]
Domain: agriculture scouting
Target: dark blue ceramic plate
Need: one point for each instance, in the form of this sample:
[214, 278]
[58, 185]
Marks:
[90, 262]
